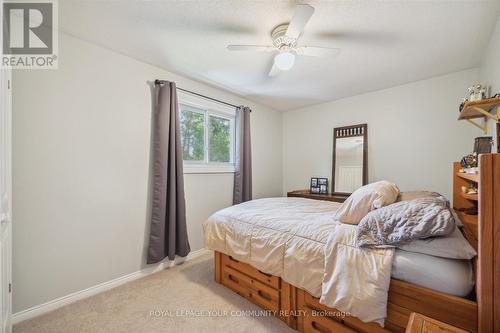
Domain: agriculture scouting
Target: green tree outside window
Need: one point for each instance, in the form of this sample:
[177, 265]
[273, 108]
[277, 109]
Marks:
[220, 139]
[192, 135]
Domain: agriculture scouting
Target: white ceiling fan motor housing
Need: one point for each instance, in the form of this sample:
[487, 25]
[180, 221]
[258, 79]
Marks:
[280, 40]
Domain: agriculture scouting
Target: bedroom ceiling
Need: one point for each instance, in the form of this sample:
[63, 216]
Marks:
[384, 43]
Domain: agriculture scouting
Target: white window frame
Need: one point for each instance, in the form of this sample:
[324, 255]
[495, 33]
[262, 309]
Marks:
[210, 108]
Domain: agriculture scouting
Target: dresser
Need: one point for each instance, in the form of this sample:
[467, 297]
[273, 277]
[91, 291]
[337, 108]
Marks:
[308, 195]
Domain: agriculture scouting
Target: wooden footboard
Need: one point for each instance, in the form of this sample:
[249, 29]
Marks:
[302, 311]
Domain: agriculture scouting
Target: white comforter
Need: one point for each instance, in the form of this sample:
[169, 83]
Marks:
[299, 240]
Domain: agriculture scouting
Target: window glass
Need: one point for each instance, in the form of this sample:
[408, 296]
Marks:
[219, 139]
[192, 134]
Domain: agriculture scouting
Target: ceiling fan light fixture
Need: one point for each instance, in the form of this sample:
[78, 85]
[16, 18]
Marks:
[284, 60]
[285, 38]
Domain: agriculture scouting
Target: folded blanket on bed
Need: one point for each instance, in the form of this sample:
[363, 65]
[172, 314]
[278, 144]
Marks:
[405, 221]
[356, 280]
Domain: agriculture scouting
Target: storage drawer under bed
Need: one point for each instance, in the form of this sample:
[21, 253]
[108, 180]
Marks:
[252, 284]
[321, 315]
[267, 279]
[294, 304]
[319, 324]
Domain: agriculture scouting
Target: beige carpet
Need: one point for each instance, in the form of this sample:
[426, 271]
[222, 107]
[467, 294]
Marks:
[128, 308]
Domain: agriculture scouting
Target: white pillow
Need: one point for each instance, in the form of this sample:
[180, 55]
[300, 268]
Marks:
[453, 246]
[366, 199]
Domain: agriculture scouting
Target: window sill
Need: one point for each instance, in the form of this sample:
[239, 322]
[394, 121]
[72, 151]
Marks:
[205, 169]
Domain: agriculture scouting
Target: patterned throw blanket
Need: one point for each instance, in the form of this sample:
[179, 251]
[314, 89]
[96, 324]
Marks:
[405, 221]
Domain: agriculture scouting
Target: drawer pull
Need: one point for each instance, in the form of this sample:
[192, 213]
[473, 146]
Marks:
[264, 295]
[319, 328]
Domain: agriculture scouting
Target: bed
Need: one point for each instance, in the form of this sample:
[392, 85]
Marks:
[289, 242]
[280, 243]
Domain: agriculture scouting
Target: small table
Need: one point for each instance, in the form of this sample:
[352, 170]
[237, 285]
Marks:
[421, 324]
[307, 194]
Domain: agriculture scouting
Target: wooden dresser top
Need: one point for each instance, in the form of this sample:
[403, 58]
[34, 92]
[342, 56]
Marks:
[307, 194]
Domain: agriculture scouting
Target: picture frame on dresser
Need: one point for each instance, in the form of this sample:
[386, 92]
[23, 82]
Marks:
[319, 185]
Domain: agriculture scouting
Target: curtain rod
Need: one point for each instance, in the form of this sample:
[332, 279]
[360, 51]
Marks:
[200, 95]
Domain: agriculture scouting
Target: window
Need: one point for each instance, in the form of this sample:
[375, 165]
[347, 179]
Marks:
[207, 135]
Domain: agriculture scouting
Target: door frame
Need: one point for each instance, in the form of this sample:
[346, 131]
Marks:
[6, 201]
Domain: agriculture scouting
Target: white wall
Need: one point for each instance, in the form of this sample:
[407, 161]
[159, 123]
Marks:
[490, 72]
[81, 168]
[413, 134]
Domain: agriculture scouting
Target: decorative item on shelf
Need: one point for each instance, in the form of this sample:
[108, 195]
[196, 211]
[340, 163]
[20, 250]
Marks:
[483, 144]
[476, 92]
[464, 100]
[319, 185]
[469, 190]
[469, 161]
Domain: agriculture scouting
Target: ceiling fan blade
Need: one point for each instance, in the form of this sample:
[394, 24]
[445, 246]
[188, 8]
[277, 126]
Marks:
[299, 20]
[314, 51]
[274, 70]
[258, 48]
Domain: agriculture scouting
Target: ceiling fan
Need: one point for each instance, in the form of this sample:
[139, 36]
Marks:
[285, 39]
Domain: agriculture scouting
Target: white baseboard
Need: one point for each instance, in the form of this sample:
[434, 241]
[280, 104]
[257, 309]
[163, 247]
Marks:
[76, 296]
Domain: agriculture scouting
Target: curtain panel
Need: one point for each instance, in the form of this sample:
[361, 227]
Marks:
[243, 157]
[168, 233]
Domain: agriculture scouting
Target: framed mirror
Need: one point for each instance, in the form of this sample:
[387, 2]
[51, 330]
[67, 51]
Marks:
[350, 158]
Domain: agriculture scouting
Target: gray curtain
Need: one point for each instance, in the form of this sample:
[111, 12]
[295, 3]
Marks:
[168, 234]
[243, 158]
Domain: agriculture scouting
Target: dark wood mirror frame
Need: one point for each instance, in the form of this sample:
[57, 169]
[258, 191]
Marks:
[346, 132]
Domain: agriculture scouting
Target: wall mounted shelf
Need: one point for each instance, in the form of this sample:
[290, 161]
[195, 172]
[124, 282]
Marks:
[485, 108]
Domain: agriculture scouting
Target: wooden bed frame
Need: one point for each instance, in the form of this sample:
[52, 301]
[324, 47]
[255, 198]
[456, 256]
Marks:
[303, 312]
